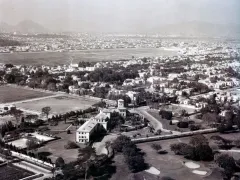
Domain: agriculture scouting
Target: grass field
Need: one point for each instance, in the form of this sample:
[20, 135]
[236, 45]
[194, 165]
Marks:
[11, 94]
[59, 58]
[172, 165]
[59, 104]
[11, 172]
[56, 148]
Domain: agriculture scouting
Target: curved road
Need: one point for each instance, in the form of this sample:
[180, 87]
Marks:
[155, 122]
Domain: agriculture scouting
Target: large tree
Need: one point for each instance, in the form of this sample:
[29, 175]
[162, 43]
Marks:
[17, 114]
[59, 162]
[46, 110]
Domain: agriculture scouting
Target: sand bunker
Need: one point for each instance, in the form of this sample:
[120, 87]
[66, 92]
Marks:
[153, 170]
[202, 173]
[175, 121]
[192, 165]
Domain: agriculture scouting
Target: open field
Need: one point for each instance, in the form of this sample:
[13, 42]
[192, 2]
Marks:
[59, 104]
[56, 148]
[173, 165]
[10, 94]
[59, 58]
[11, 172]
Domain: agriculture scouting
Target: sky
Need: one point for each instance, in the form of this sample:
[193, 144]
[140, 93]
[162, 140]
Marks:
[117, 15]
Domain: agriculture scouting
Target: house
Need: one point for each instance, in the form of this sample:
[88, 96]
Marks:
[102, 118]
[133, 95]
[183, 100]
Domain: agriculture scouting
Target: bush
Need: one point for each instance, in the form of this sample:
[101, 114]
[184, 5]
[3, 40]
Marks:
[193, 127]
[71, 145]
[156, 147]
[182, 124]
[237, 143]
[158, 132]
[204, 152]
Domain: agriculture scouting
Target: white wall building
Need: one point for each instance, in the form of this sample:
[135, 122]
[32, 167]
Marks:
[84, 132]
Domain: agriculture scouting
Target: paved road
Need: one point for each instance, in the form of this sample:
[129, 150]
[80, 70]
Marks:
[155, 122]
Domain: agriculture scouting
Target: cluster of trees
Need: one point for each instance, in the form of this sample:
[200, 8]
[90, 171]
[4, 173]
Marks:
[133, 157]
[72, 114]
[86, 64]
[101, 92]
[5, 152]
[232, 73]
[14, 77]
[87, 166]
[112, 75]
[166, 114]
[227, 164]
[183, 124]
[6, 127]
[116, 121]
[10, 147]
[8, 42]
[223, 143]
[197, 149]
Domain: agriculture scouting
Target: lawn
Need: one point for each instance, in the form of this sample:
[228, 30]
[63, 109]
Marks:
[59, 104]
[164, 122]
[11, 94]
[60, 58]
[11, 172]
[56, 148]
[172, 165]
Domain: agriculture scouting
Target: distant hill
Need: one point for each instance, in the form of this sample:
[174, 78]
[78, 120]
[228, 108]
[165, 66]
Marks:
[185, 29]
[26, 26]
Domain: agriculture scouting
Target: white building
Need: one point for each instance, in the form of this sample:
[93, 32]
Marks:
[84, 133]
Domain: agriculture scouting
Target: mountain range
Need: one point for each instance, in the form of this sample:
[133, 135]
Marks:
[26, 26]
[193, 29]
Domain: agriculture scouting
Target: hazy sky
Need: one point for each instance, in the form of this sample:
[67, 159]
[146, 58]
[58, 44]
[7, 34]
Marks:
[117, 15]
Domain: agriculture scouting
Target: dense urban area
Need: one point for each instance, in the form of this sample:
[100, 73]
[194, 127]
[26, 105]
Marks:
[137, 116]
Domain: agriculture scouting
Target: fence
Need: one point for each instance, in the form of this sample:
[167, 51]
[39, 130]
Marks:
[171, 136]
[33, 160]
[32, 177]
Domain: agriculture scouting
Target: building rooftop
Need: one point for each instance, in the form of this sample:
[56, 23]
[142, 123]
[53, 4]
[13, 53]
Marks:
[88, 126]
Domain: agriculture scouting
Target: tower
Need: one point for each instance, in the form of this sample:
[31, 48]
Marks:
[120, 103]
